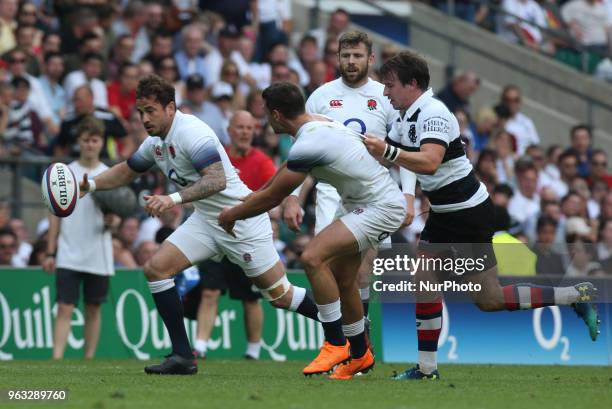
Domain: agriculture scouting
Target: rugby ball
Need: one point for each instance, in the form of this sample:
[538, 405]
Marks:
[60, 189]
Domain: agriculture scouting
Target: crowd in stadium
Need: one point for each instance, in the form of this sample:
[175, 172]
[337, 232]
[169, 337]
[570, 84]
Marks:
[64, 60]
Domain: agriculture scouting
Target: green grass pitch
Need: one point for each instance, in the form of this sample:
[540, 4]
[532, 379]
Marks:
[105, 384]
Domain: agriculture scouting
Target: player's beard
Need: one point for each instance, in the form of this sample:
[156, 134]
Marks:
[354, 77]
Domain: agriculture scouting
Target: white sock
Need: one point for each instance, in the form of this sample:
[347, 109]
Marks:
[253, 349]
[329, 312]
[299, 294]
[356, 328]
[566, 295]
[364, 293]
[161, 285]
[428, 361]
[201, 346]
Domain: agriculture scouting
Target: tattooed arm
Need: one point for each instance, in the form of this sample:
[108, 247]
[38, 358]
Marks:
[212, 181]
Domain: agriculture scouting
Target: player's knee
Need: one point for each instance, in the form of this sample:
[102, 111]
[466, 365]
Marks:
[64, 310]
[311, 260]
[210, 296]
[153, 273]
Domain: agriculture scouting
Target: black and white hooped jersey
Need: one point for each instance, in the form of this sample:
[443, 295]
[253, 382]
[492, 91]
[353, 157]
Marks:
[454, 185]
[189, 147]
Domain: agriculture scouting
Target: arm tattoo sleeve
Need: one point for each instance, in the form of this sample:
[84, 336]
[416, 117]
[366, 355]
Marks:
[211, 182]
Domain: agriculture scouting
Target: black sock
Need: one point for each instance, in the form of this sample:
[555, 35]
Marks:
[366, 307]
[333, 332]
[359, 345]
[170, 309]
[308, 308]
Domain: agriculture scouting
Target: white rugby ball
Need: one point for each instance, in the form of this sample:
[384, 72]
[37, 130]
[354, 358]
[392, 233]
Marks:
[60, 189]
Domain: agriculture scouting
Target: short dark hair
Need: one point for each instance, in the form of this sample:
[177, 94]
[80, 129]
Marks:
[91, 126]
[89, 36]
[17, 81]
[7, 231]
[544, 221]
[52, 54]
[125, 66]
[504, 189]
[286, 98]
[93, 56]
[154, 86]
[568, 153]
[580, 127]
[353, 39]
[407, 66]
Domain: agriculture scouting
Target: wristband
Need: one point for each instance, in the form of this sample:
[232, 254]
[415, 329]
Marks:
[391, 153]
[92, 185]
[176, 198]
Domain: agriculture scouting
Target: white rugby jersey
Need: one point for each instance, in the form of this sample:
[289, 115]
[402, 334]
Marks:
[189, 147]
[454, 185]
[362, 109]
[336, 155]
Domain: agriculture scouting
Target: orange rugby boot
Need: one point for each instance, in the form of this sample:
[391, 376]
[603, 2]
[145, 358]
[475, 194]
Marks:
[329, 356]
[355, 366]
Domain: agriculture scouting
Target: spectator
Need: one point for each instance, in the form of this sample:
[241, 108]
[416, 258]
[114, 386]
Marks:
[280, 73]
[168, 70]
[122, 93]
[133, 24]
[581, 138]
[520, 126]
[316, 73]
[190, 57]
[114, 132]
[16, 63]
[549, 261]
[53, 70]
[227, 49]
[259, 71]
[457, 93]
[8, 247]
[121, 54]
[521, 23]
[161, 47]
[599, 168]
[5, 214]
[51, 43]
[471, 11]
[331, 60]
[274, 25]
[8, 23]
[89, 75]
[230, 74]
[573, 205]
[582, 252]
[568, 162]
[24, 36]
[24, 130]
[255, 167]
[526, 200]
[90, 43]
[483, 126]
[24, 249]
[604, 245]
[590, 23]
[338, 24]
[122, 256]
[501, 142]
[501, 195]
[580, 186]
[128, 232]
[79, 249]
[486, 168]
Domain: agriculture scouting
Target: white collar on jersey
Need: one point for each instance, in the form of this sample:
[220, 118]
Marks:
[420, 101]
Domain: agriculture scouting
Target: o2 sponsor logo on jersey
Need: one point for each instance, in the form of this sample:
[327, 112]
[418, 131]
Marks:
[174, 176]
[335, 103]
[372, 105]
[362, 126]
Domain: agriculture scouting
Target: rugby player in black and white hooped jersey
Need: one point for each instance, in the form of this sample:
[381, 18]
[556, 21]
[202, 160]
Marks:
[189, 153]
[358, 102]
[426, 140]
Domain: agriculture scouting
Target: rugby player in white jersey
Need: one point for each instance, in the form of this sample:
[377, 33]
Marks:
[358, 102]
[461, 218]
[374, 207]
[189, 153]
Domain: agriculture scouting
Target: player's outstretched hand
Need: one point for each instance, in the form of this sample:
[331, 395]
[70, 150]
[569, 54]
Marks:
[293, 213]
[376, 146]
[157, 204]
[226, 221]
[84, 186]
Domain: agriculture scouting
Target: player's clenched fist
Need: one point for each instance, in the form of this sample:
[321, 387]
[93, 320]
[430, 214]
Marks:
[227, 221]
[375, 146]
[293, 213]
[157, 204]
